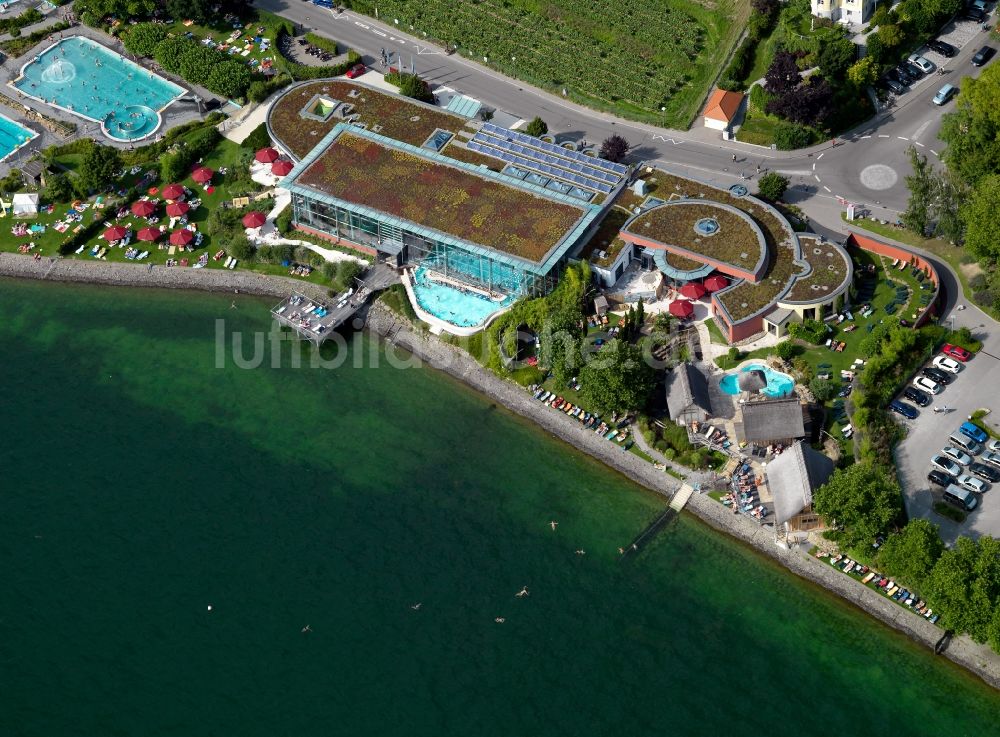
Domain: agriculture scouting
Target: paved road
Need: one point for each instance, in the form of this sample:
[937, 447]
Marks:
[868, 167]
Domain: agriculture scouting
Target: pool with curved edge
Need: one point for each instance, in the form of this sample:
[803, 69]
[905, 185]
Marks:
[460, 307]
[778, 384]
[93, 82]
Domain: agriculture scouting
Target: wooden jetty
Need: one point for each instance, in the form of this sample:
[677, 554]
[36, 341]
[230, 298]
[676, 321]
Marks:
[315, 320]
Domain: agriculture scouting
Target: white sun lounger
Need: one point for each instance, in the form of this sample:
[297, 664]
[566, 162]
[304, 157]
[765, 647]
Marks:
[229, 260]
[233, 264]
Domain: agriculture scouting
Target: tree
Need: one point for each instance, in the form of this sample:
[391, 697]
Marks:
[823, 389]
[836, 56]
[537, 127]
[616, 379]
[772, 186]
[917, 213]
[196, 63]
[783, 74]
[142, 38]
[950, 585]
[949, 194]
[861, 501]
[911, 553]
[766, 8]
[863, 72]
[972, 132]
[810, 103]
[229, 79]
[614, 148]
[198, 10]
[877, 51]
[241, 248]
[410, 85]
[982, 226]
[58, 188]
[891, 35]
[98, 168]
[347, 272]
[168, 53]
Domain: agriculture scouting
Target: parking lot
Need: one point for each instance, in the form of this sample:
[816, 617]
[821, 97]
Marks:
[976, 387]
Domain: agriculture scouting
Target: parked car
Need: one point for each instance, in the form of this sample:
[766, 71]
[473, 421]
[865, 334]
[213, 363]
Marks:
[945, 49]
[941, 463]
[985, 472]
[941, 478]
[975, 14]
[944, 94]
[973, 431]
[947, 364]
[973, 484]
[894, 86]
[957, 454]
[921, 63]
[956, 352]
[941, 377]
[994, 446]
[981, 4]
[927, 385]
[902, 408]
[993, 458]
[960, 497]
[916, 72]
[356, 71]
[905, 74]
[982, 56]
[916, 396]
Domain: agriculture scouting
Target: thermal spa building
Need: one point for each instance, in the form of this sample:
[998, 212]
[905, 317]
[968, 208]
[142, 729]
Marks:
[774, 274]
[478, 215]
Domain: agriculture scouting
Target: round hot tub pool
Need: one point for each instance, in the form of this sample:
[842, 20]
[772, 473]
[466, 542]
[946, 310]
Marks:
[132, 123]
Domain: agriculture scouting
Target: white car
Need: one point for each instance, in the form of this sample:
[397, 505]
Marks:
[993, 445]
[947, 364]
[927, 385]
[993, 458]
[956, 455]
[973, 484]
[948, 466]
[925, 66]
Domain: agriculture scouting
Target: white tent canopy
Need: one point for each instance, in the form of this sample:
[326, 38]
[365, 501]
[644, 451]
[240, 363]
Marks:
[25, 203]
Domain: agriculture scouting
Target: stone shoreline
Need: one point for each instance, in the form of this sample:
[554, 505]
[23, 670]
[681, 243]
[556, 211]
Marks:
[979, 659]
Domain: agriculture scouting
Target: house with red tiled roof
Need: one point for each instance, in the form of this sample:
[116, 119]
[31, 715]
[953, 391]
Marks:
[722, 108]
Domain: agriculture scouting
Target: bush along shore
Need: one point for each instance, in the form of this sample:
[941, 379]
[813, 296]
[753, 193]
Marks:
[400, 334]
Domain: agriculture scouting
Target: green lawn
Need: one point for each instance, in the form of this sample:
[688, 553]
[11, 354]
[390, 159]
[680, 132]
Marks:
[219, 30]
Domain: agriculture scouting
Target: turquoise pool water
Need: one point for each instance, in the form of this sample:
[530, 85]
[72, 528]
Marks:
[778, 384]
[93, 82]
[12, 136]
[458, 307]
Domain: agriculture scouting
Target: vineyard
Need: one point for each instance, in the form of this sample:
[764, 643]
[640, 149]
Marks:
[650, 60]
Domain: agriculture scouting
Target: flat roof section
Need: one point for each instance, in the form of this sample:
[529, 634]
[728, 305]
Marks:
[472, 206]
[704, 231]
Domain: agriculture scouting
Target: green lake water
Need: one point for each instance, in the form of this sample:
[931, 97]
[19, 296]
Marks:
[140, 484]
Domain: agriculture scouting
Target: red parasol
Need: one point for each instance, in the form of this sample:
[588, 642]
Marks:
[254, 219]
[172, 191]
[148, 234]
[693, 290]
[267, 155]
[143, 208]
[202, 174]
[716, 283]
[281, 167]
[181, 237]
[115, 234]
[681, 308]
[176, 209]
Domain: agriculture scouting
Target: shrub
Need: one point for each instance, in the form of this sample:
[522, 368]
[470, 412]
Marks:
[789, 136]
[258, 138]
[322, 42]
[786, 350]
[168, 53]
[823, 389]
[537, 127]
[240, 247]
[284, 221]
[58, 188]
[259, 90]
[772, 186]
[734, 78]
[347, 272]
[229, 79]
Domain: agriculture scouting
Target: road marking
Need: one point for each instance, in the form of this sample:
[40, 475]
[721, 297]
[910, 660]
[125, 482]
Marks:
[866, 136]
[379, 33]
[817, 178]
[901, 138]
[920, 131]
[814, 166]
[918, 143]
[883, 135]
[826, 188]
[934, 152]
[820, 157]
[665, 139]
[363, 25]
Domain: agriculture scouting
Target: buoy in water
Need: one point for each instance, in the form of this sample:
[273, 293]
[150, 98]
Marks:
[209, 607]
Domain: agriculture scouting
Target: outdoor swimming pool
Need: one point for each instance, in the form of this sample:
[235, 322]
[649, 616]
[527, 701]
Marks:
[459, 307]
[13, 136]
[778, 384]
[91, 81]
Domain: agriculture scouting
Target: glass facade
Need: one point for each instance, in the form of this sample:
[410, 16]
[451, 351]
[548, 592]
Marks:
[391, 238]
